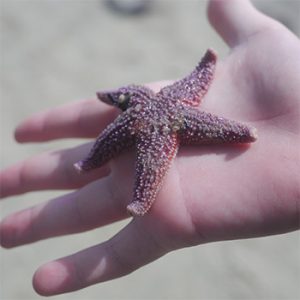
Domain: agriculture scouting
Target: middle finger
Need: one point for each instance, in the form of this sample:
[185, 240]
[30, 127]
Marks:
[52, 170]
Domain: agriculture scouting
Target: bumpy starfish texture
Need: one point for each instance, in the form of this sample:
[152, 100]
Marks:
[156, 124]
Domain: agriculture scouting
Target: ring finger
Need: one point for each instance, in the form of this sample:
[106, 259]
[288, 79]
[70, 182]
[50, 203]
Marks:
[97, 204]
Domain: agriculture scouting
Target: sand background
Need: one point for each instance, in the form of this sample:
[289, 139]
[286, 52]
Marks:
[53, 52]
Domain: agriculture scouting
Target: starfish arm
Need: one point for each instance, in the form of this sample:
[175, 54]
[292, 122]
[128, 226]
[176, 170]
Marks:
[125, 97]
[205, 128]
[192, 88]
[140, 91]
[115, 138]
[154, 156]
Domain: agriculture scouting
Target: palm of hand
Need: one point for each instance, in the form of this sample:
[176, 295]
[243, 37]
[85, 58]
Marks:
[225, 192]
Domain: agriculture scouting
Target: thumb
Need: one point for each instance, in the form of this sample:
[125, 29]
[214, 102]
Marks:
[236, 20]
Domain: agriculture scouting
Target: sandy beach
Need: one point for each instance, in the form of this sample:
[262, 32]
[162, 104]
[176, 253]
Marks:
[54, 52]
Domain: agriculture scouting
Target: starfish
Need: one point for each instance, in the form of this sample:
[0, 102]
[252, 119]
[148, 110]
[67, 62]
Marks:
[156, 124]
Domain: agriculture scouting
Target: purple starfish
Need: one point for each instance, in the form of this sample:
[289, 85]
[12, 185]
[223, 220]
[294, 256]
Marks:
[156, 124]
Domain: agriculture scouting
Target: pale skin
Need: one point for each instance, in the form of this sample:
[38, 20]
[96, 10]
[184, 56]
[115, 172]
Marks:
[234, 192]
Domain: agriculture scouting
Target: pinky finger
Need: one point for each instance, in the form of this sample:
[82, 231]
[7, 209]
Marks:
[130, 249]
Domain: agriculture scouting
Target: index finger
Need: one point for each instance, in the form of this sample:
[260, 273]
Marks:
[82, 119]
[85, 118]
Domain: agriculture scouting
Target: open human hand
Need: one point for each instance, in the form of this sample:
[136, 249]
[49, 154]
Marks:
[211, 193]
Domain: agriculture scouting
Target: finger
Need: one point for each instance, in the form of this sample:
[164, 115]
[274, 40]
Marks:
[81, 119]
[95, 205]
[130, 249]
[85, 118]
[236, 20]
[46, 171]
